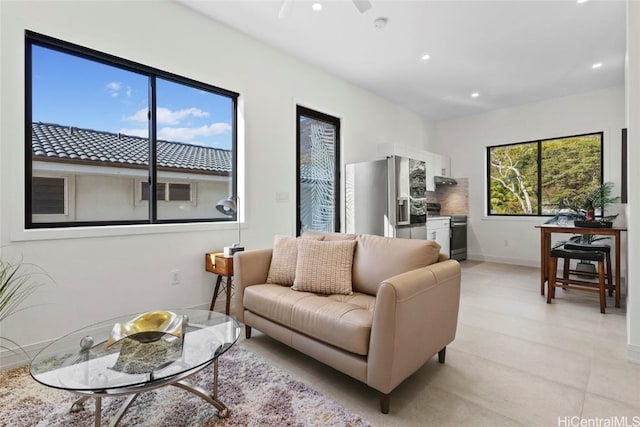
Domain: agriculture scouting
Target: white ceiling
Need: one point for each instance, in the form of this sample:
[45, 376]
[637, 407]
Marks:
[511, 52]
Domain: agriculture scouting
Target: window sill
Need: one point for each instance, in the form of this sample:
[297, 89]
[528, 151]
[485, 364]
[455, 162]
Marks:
[531, 219]
[119, 230]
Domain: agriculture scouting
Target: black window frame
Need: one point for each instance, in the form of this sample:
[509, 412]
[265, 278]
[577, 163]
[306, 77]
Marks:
[36, 39]
[335, 121]
[539, 172]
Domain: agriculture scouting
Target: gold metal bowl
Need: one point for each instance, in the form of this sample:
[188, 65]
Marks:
[147, 327]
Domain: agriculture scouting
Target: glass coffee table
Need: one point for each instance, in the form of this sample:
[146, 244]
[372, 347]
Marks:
[126, 357]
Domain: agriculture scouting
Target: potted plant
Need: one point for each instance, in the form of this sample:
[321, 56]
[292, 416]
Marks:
[16, 284]
[600, 197]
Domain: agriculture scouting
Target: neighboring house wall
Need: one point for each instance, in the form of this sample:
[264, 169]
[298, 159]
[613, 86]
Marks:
[515, 240]
[103, 194]
[101, 273]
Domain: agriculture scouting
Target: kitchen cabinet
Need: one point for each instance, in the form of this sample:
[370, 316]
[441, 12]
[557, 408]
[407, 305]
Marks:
[437, 165]
[439, 229]
[442, 165]
[431, 171]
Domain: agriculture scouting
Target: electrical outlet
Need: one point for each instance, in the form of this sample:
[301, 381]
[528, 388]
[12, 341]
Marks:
[175, 277]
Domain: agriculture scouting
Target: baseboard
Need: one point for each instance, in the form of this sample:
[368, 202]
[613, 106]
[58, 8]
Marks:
[10, 359]
[504, 260]
[633, 353]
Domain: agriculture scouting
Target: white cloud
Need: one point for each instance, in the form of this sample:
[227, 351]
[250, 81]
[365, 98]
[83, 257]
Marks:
[139, 116]
[142, 132]
[129, 91]
[188, 134]
[181, 134]
[166, 116]
[114, 88]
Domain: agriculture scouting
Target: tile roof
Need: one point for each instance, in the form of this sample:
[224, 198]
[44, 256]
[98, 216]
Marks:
[85, 145]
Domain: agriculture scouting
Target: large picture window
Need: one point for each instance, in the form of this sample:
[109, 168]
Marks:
[318, 194]
[541, 177]
[110, 124]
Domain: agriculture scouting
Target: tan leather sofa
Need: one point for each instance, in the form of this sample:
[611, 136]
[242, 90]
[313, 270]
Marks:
[404, 310]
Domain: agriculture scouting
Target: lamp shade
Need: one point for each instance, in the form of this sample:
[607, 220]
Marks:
[230, 207]
[227, 206]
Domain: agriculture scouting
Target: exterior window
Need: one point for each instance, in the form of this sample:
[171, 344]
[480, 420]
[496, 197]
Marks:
[48, 195]
[167, 192]
[180, 192]
[111, 124]
[541, 177]
[318, 183]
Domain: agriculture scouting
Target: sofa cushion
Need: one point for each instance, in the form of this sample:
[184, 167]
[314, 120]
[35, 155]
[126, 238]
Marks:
[378, 258]
[283, 260]
[339, 320]
[327, 236]
[324, 267]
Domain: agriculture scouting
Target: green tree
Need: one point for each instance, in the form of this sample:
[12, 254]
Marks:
[569, 169]
[514, 179]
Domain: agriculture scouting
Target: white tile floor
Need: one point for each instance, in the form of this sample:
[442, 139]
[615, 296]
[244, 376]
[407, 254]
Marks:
[516, 361]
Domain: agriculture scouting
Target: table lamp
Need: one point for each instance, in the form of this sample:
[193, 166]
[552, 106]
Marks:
[230, 207]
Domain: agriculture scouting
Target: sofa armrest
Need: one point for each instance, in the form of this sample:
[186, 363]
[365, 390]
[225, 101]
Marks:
[249, 268]
[415, 316]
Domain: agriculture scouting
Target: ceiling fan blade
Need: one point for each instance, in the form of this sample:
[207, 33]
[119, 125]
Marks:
[285, 9]
[362, 5]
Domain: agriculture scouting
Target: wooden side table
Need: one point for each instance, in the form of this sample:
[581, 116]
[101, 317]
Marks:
[216, 262]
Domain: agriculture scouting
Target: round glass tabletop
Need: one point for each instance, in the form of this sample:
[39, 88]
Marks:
[135, 351]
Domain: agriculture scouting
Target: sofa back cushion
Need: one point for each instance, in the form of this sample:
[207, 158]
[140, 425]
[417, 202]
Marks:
[378, 258]
[327, 236]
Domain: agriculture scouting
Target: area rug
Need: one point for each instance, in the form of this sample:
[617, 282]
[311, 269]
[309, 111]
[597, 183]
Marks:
[256, 393]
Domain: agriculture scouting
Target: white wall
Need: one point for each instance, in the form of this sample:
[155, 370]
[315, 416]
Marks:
[515, 240]
[100, 273]
[633, 126]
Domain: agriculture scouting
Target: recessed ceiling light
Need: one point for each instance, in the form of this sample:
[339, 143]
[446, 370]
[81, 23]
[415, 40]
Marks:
[597, 65]
[425, 57]
[475, 95]
[380, 23]
[316, 7]
[582, 1]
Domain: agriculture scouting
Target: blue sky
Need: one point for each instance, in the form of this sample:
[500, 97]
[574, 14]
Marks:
[73, 91]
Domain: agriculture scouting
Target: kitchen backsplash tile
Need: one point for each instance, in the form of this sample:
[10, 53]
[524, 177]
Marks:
[454, 199]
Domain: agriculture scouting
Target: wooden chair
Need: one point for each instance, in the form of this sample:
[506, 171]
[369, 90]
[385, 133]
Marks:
[566, 282]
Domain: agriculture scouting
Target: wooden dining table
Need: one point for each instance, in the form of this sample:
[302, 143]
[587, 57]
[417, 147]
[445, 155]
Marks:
[546, 230]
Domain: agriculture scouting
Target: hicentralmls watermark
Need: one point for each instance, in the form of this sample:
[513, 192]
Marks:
[613, 421]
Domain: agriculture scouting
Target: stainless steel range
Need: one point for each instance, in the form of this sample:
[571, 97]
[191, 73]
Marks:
[459, 237]
[458, 231]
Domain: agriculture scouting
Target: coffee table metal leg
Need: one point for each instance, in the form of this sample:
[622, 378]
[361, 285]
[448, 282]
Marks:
[223, 411]
[116, 419]
[215, 379]
[78, 405]
[98, 414]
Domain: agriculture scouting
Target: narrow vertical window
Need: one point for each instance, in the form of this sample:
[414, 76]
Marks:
[318, 183]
